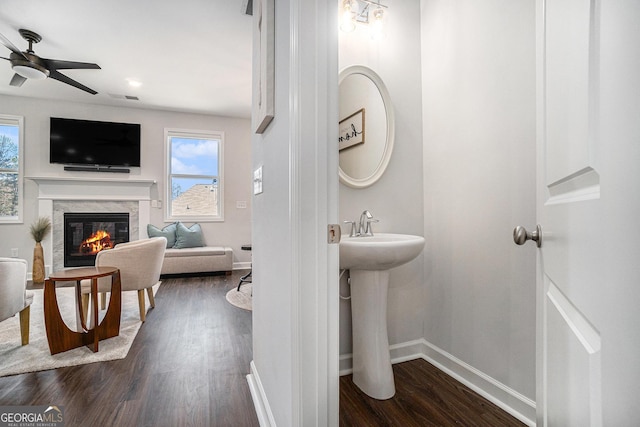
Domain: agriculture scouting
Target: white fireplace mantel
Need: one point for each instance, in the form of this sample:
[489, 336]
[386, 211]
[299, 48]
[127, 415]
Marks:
[59, 188]
[53, 189]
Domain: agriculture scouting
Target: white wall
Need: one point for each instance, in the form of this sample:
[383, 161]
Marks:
[234, 231]
[478, 69]
[397, 198]
[273, 300]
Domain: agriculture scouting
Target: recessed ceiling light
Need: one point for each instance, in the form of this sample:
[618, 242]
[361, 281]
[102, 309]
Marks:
[134, 83]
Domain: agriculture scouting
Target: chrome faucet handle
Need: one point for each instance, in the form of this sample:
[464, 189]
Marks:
[352, 233]
[362, 225]
[369, 230]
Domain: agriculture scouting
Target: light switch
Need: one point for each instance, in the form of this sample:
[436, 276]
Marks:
[257, 181]
[241, 204]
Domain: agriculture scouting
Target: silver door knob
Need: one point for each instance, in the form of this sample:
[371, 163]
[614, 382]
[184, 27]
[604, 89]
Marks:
[521, 235]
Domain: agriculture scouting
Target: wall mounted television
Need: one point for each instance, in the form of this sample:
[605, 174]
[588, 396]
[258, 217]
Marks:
[89, 145]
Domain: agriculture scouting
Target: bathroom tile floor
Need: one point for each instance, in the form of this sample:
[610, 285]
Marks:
[425, 396]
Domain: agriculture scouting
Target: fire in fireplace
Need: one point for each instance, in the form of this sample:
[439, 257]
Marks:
[98, 241]
[86, 234]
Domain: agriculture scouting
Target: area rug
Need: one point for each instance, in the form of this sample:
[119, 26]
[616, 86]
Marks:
[241, 298]
[17, 359]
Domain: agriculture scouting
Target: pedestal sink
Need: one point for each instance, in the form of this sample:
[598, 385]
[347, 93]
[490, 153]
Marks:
[368, 260]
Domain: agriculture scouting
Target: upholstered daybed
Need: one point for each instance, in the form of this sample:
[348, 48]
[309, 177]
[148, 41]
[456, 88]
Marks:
[187, 253]
[204, 259]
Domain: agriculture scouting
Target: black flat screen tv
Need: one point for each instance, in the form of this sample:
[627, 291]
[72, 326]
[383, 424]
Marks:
[94, 143]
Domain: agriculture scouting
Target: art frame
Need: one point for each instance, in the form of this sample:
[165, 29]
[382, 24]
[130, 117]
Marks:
[351, 130]
[263, 65]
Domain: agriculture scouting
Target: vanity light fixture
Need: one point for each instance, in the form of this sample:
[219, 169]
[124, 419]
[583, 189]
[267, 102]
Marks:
[377, 26]
[347, 22]
[365, 12]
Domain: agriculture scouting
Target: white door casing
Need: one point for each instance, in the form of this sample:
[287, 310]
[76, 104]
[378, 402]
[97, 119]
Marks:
[584, 374]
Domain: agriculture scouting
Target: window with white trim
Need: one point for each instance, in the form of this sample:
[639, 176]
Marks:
[11, 161]
[194, 162]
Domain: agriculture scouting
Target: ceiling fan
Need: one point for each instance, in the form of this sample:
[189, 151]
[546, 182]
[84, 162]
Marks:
[28, 65]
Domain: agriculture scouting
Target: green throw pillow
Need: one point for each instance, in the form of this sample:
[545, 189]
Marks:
[168, 232]
[188, 237]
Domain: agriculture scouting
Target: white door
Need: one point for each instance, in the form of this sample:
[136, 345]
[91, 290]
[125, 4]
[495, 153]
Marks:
[588, 305]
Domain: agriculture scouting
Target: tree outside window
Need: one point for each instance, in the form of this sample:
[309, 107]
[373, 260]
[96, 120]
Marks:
[194, 175]
[10, 169]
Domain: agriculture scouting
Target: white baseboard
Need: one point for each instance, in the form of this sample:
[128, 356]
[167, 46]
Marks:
[242, 265]
[494, 391]
[260, 402]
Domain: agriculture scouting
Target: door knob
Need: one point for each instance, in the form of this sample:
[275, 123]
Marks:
[521, 235]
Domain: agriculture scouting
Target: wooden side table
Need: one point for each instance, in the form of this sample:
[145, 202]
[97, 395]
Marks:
[60, 337]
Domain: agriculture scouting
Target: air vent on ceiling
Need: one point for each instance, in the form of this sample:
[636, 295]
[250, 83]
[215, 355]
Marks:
[128, 97]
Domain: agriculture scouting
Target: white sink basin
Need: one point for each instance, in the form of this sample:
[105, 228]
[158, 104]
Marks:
[379, 252]
[369, 260]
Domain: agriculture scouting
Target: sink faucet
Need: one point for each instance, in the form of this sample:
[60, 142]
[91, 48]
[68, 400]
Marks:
[363, 227]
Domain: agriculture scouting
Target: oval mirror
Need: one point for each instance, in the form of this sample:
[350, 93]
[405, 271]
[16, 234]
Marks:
[366, 127]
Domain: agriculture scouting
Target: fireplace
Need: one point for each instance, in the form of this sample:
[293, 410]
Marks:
[86, 234]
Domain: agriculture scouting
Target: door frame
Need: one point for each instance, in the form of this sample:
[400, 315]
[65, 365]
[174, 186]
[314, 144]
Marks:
[313, 172]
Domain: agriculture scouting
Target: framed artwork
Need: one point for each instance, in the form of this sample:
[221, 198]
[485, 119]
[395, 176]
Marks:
[263, 64]
[351, 130]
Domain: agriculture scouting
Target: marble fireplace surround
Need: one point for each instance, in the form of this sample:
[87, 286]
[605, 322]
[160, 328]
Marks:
[57, 195]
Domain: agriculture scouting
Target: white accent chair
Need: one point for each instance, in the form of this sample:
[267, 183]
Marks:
[139, 261]
[14, 297]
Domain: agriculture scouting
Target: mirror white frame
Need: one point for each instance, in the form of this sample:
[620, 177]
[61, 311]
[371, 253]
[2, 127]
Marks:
[357, 182]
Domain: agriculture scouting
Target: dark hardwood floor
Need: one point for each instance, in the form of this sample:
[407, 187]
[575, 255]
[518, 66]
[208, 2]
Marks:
[425, 396]
[187, 367]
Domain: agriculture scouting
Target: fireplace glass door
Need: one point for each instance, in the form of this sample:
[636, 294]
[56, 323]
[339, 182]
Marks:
[86, 234]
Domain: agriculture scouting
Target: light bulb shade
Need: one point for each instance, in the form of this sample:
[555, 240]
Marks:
[377, 25]
[347, 23]
[31, 71]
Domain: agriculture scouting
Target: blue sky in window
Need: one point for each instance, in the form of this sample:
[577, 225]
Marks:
[10, 131]
[194, 156]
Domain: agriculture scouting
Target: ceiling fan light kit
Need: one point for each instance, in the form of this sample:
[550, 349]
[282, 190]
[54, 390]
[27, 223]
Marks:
[30, 69]
[28, 65]
[31, 72]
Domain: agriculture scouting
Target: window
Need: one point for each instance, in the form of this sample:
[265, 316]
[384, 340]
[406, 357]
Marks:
[194, 166]
[11, 161]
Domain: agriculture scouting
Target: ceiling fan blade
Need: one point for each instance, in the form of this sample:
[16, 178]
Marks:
[17, 80]
[5, 41]
[56, 64]
[64, 79]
